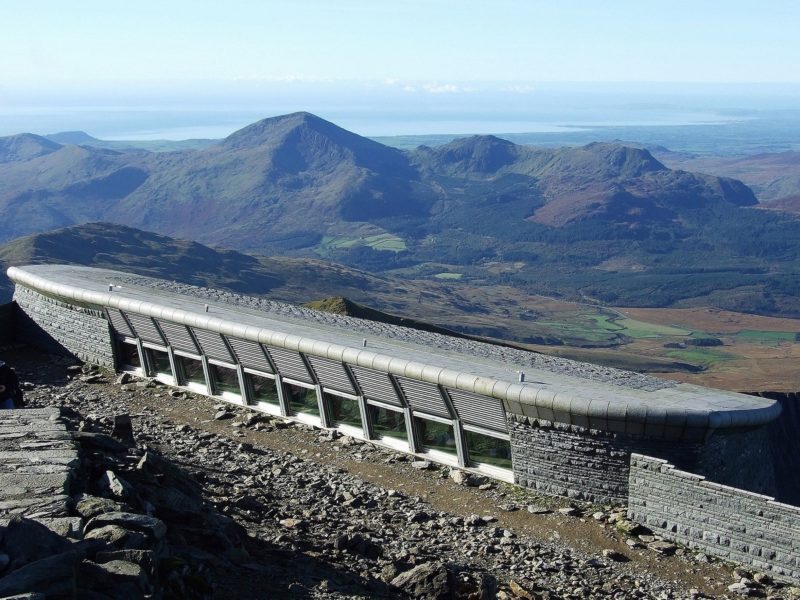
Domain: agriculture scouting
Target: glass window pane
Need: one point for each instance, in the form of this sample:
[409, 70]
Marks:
[301, 400]
[264, 389]
[488, 449]
[129, 355]
[436, 436]
[191, 370]
[343, 411]
[159, 361]
[387, 423]
[225, 380]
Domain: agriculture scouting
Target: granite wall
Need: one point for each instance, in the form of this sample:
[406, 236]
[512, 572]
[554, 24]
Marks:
[727, 522]
[63, 328]
[585, 464]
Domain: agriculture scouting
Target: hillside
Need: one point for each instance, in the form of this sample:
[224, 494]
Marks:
[758, 353]
[773, 176]
[125, 248]
[601, 223]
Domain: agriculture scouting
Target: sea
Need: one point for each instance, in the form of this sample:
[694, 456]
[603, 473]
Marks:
[702, 122]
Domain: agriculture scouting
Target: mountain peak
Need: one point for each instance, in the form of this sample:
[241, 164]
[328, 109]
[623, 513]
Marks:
[25, 146]
[271, 129]
[474, 154]
[72, 137]
[625, 160]
[301, 139]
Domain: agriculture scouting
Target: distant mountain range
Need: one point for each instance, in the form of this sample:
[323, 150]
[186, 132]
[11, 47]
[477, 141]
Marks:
[602, 222]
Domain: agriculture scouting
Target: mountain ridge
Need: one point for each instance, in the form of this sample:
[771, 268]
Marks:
[546, 221]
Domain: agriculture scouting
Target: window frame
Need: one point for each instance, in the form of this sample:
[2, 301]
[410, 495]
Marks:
[352, 431]
[141, 370]
[165, 378]
[250, 397]
[491, 470]
[232, 397]
[438, 455]
[394, 443]
[306, 418]
[184, 383]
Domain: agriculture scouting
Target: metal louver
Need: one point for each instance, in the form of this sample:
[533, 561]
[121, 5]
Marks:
[145, 328]
[250, 354]
[424, 397]
[118, 323]
[178, 337]
[213, 345]
[481, 411]
[290, 364]
[331, 374]
[376, 385]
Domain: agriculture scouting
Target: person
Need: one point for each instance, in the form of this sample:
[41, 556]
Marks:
[10, 392]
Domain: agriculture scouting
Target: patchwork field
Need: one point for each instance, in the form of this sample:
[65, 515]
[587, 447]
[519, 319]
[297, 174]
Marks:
[717, 348]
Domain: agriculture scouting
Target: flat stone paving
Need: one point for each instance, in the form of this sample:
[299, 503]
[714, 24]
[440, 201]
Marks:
[629, 395]
[37, 458]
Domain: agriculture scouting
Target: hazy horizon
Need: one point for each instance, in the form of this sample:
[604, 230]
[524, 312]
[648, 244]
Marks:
[373, 110]
[190, 68]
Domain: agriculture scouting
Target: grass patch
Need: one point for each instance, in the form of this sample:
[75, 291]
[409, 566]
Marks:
[702, 356]
[606, 328]
[449, 275]
[385, 241]
[765, 337]
[641, 329]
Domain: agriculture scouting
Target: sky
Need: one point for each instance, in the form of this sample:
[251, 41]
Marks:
[173, 52]
[439, 44]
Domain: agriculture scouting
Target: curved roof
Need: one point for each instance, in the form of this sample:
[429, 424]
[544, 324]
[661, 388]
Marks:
[680, 411]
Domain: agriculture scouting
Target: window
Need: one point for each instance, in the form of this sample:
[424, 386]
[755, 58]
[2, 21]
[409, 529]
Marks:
[265, 391]
[158, 361]
[387, 423]
[434, 435]
[301, 400]
[191, 370]
[129, 355]
[225, 380]
[343, 411]
[489, 450]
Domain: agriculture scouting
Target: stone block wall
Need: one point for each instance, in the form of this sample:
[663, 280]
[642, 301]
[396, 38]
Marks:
[741, 459]
[57, 326]
[585, 464]
[727, 522]
[7, 324]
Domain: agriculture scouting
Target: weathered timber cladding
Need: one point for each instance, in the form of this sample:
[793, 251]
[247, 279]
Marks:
[58, 327]
[727, 522]
[585, 464]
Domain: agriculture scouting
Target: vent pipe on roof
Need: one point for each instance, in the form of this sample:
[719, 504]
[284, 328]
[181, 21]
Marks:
[110, 287]
[206, 307]
[521, 376]
[365, 343]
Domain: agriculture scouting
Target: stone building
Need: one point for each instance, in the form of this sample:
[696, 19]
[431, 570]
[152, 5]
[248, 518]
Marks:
[554, 425]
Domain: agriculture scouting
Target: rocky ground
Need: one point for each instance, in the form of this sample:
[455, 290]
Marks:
[258, 507]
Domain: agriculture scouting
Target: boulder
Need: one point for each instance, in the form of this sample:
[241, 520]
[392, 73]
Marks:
[26, 541]
[153, 527]
[428, 581]
[54, 576]
[90, 506]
